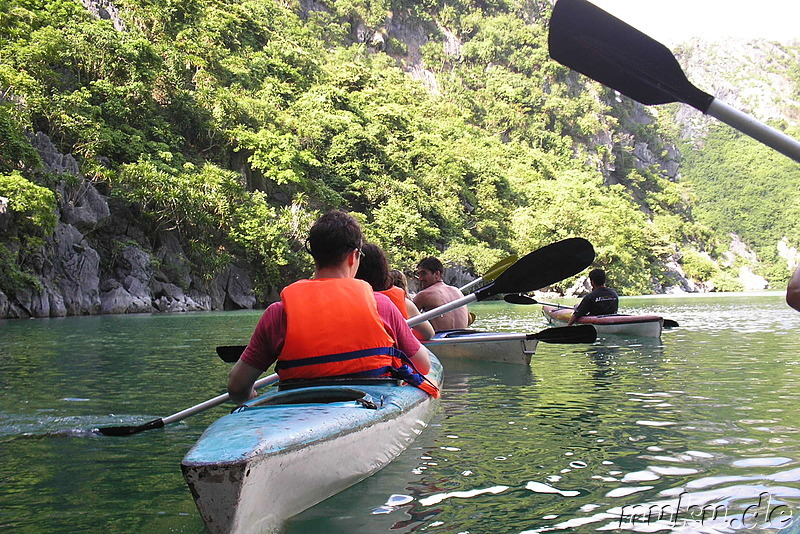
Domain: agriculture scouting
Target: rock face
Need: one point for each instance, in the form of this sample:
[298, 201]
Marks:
[747, 75]
[99, 261]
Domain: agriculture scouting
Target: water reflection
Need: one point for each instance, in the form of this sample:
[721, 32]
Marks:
[586, 439]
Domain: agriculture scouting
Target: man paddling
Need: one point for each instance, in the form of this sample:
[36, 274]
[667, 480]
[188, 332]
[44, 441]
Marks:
[601, 301]
[332, 325]
[435, 293]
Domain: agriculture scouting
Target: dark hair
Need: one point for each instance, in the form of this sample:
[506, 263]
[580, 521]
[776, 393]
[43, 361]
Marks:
[399, 279]
[598, 276]
[374, 267]
[431, 264]
[332, 237]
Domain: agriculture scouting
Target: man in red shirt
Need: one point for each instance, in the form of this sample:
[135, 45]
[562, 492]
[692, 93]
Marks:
[331, 325]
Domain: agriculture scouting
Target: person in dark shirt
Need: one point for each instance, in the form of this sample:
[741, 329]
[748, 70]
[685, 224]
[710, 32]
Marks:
[601, 301]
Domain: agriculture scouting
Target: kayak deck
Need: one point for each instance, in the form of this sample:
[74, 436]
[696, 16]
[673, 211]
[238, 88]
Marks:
[287, 450]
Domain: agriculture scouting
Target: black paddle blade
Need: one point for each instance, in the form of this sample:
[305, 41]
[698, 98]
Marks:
[582, 333]
[587, 39]
[230, 353]
[516, 298]
[542, 267]
[669, 323]
[129, 430]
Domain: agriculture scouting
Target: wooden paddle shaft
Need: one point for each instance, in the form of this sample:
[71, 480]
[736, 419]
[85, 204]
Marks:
[197, 408]
[759, 131]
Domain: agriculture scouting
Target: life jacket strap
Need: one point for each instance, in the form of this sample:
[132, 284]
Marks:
[336, 358]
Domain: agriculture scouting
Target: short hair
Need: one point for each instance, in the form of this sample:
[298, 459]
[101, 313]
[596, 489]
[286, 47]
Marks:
[431, 264]
[399, 279]
[374, 267]
[332, 237]
[598, 276]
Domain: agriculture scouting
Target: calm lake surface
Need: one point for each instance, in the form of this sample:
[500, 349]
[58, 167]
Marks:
[703, 422]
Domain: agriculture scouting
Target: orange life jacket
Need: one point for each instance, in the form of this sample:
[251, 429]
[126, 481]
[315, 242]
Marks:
[318, 312]
[398, 296]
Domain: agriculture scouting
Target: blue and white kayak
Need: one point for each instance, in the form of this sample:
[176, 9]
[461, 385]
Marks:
[290, 449]
[496, 347]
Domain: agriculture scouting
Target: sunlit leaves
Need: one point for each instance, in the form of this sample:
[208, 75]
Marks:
[578, 205]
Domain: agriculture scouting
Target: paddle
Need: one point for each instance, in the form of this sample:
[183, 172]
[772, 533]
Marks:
[540, 268]
[493, 272]
[585, 38]
[524, 299]
[536, 270]
[561, 334]
[516, 298]
[197, 408]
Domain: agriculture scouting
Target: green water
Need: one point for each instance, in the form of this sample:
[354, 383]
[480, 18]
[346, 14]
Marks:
[588, 439]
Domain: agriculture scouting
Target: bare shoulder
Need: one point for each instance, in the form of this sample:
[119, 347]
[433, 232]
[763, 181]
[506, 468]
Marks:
[424, 298]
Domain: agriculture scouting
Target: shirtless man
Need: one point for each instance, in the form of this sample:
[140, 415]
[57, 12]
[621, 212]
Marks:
[436, 293]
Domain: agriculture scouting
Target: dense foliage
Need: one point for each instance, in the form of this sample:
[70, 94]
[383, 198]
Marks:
[236, 122]
[728, 175]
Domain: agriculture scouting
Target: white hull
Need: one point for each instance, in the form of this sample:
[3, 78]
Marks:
[253, 469]
[470, 347]
[612, 325]
[238, 500]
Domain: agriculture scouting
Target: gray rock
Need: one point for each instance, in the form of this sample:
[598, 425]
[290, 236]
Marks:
[76, 272]
[106, 10]
[5, 216]
[82, 205]
[172, 259]
[54, 161]
[233, 290]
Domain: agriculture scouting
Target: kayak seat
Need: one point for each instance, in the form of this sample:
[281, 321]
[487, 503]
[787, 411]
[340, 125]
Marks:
[313, 395]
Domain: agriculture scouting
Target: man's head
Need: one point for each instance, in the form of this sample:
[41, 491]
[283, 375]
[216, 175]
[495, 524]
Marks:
[429, 271]
[333, 237]
[597, 277]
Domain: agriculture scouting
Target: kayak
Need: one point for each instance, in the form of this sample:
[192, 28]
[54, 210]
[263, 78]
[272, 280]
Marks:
[293, 447]
[483, 346]
[616, 324]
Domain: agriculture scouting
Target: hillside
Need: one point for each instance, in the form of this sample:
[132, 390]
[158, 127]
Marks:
[745, 192]
[169, 157]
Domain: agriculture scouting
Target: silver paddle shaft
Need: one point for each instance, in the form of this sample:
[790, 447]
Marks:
[219, 399]
[757, 130]
[441, 310]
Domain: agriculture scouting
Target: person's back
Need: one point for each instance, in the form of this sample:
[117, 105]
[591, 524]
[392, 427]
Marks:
[436, 293]
[366, 333]
[601, 300]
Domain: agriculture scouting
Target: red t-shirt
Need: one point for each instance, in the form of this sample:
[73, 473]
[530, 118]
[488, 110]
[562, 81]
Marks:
[267, 340]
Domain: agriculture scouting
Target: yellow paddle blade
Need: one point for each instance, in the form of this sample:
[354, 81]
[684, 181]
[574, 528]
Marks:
[495, 270]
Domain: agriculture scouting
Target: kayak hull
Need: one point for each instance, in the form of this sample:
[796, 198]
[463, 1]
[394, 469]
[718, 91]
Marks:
[471, 345]
[610, 325]
[253, 469]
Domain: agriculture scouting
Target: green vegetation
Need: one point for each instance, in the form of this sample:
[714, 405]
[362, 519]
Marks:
[743, 187]
[235, 123]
